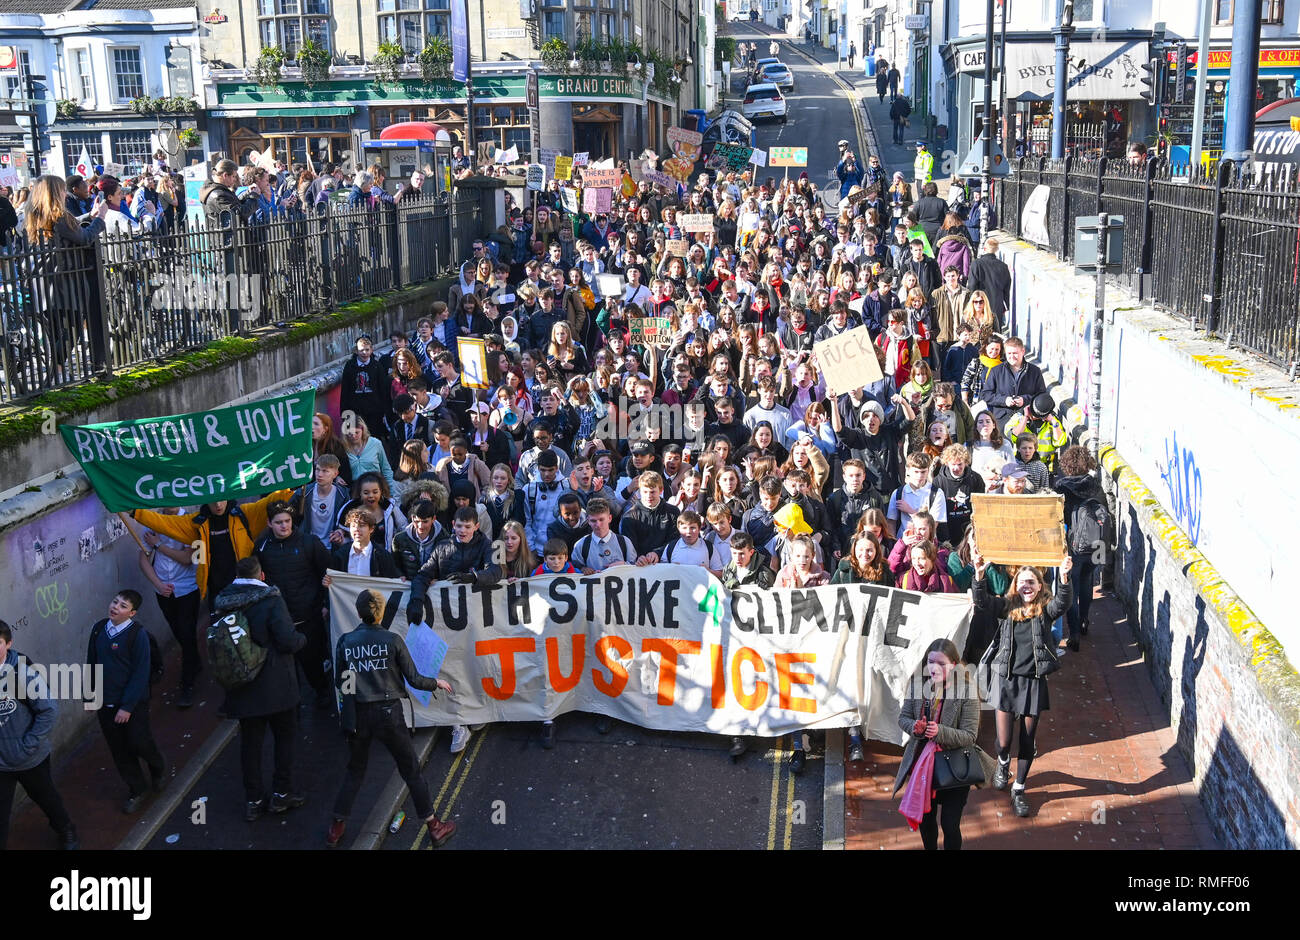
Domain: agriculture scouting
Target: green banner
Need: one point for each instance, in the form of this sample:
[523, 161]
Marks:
[204, 457]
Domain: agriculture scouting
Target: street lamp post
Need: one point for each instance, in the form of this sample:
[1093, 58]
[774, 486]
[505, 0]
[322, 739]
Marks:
[1063, 31]
[986, 136]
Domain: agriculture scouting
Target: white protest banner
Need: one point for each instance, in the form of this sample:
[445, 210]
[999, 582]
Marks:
[473, 361]
[848, 361]
[569, 199]
[611, 285]
[508, 156]
[115, 170]
[580, 159]
[84, 167]
[9, 178]
[636, 170]
[696, 221]
[536, 177]
[758, 157]
[669, 648]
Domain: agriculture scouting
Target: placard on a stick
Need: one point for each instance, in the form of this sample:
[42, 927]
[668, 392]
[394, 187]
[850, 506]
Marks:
[1019, 530]
[848, 361]
[787, 156]
[696, 221]
[649, 331]
[676, 247]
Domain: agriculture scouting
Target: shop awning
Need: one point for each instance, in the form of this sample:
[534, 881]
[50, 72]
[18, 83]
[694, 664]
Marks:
[1099, 71]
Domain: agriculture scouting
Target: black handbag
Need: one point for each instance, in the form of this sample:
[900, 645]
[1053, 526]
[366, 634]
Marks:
[957, 768]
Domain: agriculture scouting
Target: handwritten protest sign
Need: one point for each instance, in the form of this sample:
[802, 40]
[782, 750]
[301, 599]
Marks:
[1019, 530]
[569, 199]
[546, 157]
[696, 221]
[758, 157]
[594, 177]
[536, 176]
[676, 246]
[678, 135]
[787, 156]
[563, 167]
[611, 285]
[732, 156]
[650, 331]
[658, 178]
[473, 361]
[580, 159]
[848, 361]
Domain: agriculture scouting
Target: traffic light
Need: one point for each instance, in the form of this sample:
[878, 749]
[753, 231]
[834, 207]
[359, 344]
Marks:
[1147, 80]
[1180, 72]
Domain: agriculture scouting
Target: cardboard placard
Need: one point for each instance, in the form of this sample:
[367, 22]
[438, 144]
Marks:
[546, 157]
[650, 331]
[596, 200]
[659, 178]
[9, 178]
[473, 361]
[593, 177]
[677, 247]
[857, 196]
[485, 151]
[696, 221]
[637, 169]
[569, 199]
[848, 361]
[563, 167]
[536, 177]
[758, 157]
[580, 159]
[1020, 530]
[679, 169]
[787, 156]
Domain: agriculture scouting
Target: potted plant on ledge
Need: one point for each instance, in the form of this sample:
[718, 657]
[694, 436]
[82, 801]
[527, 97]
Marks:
[435, 59]
[555, 54]
[387, 62]
[266, 70]
[314, 63]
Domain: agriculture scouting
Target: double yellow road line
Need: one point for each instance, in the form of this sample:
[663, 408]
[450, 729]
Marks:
[461, 766]
[780, 757]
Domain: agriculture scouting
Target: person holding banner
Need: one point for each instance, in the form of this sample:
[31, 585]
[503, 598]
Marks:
[945, 716]
[370, 665]
[1017, 663]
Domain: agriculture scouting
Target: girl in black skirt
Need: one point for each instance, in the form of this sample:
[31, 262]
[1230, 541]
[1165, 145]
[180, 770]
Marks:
[1019, 659]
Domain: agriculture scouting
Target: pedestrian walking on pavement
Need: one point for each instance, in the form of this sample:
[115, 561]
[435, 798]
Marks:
[882, 78]
[853, 52]
[1018, 661]
[270, 699]
[941, 714]
[370, 665]
[893, 81]
[899, 109]
[121, 645]
[26, 721]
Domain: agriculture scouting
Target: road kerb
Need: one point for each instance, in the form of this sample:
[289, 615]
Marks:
[833, 792]
[375, 829]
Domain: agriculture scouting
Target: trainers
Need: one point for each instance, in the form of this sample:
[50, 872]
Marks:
[738, 748]
[283, 802]
[440, 832]
[254, 810]
[335, 834]
[856, 753]
[134, 802]
[1019, 802]
[548, 734]
[478, 727]
[459, 738]
[1000, 775]
[185, 697]
[1072, 645]
[797, 761]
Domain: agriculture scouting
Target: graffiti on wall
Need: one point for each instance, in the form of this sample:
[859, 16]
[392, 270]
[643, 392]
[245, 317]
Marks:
[1182, 478]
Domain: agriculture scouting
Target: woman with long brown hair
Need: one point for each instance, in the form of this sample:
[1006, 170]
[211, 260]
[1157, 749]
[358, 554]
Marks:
[406, 368]
[325, 441]
[1019, 660]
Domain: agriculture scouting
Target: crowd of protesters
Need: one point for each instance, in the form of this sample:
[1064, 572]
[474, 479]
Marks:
[719, 445]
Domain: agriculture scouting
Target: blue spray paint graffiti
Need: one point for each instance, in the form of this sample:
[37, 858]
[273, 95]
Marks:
[1183, 479]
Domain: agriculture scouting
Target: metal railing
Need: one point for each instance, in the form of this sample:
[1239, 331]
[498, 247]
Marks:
[73, 313]
[1220, 249]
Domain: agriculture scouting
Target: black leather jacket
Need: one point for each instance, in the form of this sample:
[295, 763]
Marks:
[370, 664]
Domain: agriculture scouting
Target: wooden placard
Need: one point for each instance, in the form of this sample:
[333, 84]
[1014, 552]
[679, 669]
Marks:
[649, 331]
[1020, 530]
[696, 221]
[676, 247]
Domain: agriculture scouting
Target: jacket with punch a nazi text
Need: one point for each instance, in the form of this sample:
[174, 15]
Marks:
[377, 661]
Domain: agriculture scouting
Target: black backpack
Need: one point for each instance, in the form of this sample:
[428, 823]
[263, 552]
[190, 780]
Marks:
[1091, 524]
[157, 665]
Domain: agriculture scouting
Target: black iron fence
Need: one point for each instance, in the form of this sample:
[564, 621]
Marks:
[74, 313]
[1221, 250]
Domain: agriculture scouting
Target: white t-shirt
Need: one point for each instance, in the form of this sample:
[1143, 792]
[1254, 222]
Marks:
[679, 553]
[928, 497]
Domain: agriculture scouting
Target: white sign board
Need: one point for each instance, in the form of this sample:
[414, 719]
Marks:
[1111, 70]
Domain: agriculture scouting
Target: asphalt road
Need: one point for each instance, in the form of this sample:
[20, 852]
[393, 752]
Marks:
[819, 109]
[629, 789]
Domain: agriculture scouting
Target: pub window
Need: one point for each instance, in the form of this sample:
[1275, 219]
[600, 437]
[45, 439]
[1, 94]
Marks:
[286, 23]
